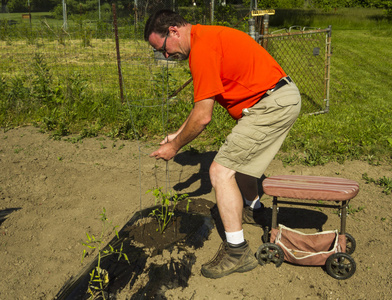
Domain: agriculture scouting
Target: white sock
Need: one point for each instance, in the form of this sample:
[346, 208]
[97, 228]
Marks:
[255, 204]
[235, 237]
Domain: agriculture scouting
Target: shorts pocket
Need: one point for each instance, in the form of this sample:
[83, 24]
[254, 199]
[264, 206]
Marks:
[287, 100]
[241, 145]
[287, 97]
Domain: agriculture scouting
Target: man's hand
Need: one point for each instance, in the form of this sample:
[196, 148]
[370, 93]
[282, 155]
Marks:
[166, 152]
[197, 120]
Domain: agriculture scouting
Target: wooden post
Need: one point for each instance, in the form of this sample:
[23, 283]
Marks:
[118, 53]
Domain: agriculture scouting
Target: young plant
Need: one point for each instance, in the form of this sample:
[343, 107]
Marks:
[384, 182]
[168, 202]
[99, 278]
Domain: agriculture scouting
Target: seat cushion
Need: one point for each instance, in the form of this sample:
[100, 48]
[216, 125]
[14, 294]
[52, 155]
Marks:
[311, 187]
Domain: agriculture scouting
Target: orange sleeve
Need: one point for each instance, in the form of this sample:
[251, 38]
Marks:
[206, 70]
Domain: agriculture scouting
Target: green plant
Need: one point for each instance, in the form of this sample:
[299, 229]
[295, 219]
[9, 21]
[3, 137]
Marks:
[384, 182]
[42, 81]
[86, 38]
[99, 278]
[167, 205]
[18, 149]
[352, 210]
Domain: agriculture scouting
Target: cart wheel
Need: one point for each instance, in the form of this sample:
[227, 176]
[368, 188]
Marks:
[350, 244]
[340, 266]
[269, 252]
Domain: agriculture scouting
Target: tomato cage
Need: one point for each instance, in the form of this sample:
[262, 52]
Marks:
[330, 248]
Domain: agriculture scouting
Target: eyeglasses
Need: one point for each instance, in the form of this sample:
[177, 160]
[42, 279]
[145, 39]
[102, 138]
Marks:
[163, 49]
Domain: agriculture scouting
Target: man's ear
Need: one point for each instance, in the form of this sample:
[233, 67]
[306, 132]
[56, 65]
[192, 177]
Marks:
[173, 30]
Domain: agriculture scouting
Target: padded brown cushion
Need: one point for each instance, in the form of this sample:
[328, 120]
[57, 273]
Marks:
[311, 187]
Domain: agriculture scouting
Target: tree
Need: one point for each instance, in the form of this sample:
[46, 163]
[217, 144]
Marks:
[386, 5]
[22, 5]
[4, 6]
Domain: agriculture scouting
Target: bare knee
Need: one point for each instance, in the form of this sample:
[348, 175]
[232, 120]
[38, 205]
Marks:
[220, 174]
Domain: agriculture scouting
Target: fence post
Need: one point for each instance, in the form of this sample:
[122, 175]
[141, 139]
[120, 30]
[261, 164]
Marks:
[212, 8]
[328, 68]
[264, 30]
[118, 53]
[30, 15]
[65, 26]
[252, 31]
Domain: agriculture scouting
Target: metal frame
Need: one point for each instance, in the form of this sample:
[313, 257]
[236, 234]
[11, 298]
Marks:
[342, 206]
[298, 51]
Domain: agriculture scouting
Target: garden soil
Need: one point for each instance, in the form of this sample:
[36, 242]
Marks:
[52, 193]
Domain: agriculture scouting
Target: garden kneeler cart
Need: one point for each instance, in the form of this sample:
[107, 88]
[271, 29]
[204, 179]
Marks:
[329, 248]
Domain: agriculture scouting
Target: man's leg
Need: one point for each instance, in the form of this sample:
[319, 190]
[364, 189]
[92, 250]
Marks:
[228, 196]
[253, 209]
[248, 186]
[234, 254]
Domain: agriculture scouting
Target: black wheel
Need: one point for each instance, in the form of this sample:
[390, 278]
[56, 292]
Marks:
[350, 244]
[340, 266]
[268, 253]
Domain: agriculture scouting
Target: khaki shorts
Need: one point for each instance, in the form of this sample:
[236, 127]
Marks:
[259, 134]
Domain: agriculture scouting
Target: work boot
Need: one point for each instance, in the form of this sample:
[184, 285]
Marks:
[252, 216]
[230, 259]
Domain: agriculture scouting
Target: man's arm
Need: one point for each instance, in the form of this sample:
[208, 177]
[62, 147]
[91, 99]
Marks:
[172, 136]
[197, 120]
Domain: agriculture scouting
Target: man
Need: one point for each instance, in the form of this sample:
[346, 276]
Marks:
[230, 68]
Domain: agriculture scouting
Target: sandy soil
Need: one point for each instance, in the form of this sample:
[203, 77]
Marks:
[57, 189]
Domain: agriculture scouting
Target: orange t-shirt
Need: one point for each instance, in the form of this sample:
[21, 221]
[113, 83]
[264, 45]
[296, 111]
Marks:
[230, 65]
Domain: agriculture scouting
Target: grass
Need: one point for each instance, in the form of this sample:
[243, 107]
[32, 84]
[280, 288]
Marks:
[358, 125]
[384, 182]
[69, 84]
[340, 19]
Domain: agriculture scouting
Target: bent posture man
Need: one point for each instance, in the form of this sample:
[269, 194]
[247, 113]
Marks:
[230, 68]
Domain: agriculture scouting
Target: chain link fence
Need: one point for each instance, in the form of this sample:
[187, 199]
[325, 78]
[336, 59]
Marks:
[305, 55]
[85, 50]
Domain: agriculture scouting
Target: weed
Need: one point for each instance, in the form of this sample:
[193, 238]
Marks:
[99, 278]
[314, 157]
[88, 132]
[167, 205]
[18, 149]
[352, 210]
[384, 182]
[60, 131]
[42, 80]
[75, 139]
[86, 38]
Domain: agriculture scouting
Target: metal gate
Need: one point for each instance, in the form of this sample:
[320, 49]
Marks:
[305, 55]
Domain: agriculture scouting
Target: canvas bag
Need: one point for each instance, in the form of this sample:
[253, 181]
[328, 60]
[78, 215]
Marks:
[307, 249]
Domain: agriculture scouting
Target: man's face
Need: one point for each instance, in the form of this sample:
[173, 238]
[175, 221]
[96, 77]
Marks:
[168, 45]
